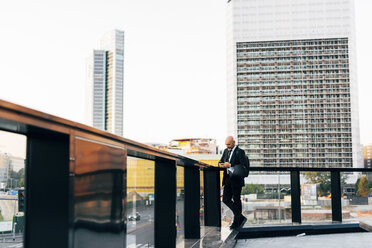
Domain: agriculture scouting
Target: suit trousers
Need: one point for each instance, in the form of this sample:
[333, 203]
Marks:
[231, 197]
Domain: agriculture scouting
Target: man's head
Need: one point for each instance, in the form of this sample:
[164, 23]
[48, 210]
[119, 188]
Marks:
[230, 142]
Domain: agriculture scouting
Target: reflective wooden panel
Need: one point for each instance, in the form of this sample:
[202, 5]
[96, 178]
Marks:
[98, 195]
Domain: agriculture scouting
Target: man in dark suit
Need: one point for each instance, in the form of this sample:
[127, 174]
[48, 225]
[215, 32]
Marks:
[232, 186]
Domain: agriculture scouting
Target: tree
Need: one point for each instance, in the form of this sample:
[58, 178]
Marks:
[324, 181]
[252, 189]
[321, 178]
[21, 177]
[17, 177]
[363, 187]
[357, 185]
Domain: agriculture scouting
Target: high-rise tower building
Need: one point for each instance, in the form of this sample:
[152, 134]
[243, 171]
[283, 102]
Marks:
[106, 84]
[292, 96]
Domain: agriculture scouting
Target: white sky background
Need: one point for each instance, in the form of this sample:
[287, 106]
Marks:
[175, 63]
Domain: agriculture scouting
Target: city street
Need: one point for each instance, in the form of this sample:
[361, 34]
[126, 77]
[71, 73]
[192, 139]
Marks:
[11, 245]
[139, 233]
[142, 232]
[8, 241]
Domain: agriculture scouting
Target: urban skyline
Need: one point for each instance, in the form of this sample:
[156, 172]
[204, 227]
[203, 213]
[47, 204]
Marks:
[151, 64]
[279, 75]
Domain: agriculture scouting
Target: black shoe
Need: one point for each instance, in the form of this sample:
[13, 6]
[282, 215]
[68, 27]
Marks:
[242, 221]
[234, 225]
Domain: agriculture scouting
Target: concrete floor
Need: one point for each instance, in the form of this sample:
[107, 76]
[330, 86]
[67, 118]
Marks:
[348, 240]
[212, 237]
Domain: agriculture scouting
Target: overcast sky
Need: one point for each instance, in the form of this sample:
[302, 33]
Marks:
[175, 63]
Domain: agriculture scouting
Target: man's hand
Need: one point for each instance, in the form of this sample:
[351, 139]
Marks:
[225, 165]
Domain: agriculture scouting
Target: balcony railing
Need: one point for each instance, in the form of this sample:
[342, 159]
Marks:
[76, 184]
[77, 192]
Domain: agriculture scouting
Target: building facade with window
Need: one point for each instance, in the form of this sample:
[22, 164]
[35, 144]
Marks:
[291, 82]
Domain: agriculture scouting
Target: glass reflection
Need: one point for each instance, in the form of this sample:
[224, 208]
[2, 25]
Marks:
[12, 191]
[180, 224]
[140, 202]
[98, 195]
[265, 199]
[202, 198]
[316, 197]
[356, 198]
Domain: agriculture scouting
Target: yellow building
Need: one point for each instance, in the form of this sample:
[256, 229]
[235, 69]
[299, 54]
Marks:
[194, 146]
[367, 151]
[141, 174]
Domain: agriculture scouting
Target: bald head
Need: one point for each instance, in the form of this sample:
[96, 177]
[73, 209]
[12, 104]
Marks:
[230, 142]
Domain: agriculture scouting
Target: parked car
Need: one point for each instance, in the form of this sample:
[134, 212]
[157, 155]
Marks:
[134, 217]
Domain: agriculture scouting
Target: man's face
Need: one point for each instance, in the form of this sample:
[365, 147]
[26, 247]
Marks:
[230, 144]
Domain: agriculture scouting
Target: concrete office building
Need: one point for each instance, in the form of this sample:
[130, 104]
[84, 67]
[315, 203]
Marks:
[10, 163]
[5, 167]
[292, 95]
[106, 83]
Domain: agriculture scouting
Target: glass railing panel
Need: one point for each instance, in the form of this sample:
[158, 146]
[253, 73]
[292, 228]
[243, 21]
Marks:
[356, 198]
[201, 198]
[140, 202]
[261, 202]
[180, 224]
[12, 188]
[316, 198]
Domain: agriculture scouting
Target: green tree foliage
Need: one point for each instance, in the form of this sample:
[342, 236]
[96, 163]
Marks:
[363, 187]
[252, 189]
[321, 178]
[324, 181]
[357, 185]
[17, 177]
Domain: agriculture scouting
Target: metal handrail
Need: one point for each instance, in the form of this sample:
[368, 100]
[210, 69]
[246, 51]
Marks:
[19, 114]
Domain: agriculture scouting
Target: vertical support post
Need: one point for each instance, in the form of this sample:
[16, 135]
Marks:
[336, 196]
[212, 201]
[165, 203]
[47, 181]
[295, 196]
[192, 202]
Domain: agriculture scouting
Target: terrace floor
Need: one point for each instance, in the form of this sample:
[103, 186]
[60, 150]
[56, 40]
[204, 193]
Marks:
[225, 238]
[348, 240]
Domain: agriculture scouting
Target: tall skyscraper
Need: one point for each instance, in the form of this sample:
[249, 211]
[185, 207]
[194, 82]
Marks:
[292, 96]
[106, 83]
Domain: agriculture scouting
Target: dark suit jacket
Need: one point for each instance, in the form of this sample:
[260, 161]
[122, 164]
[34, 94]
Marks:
[238, 157]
